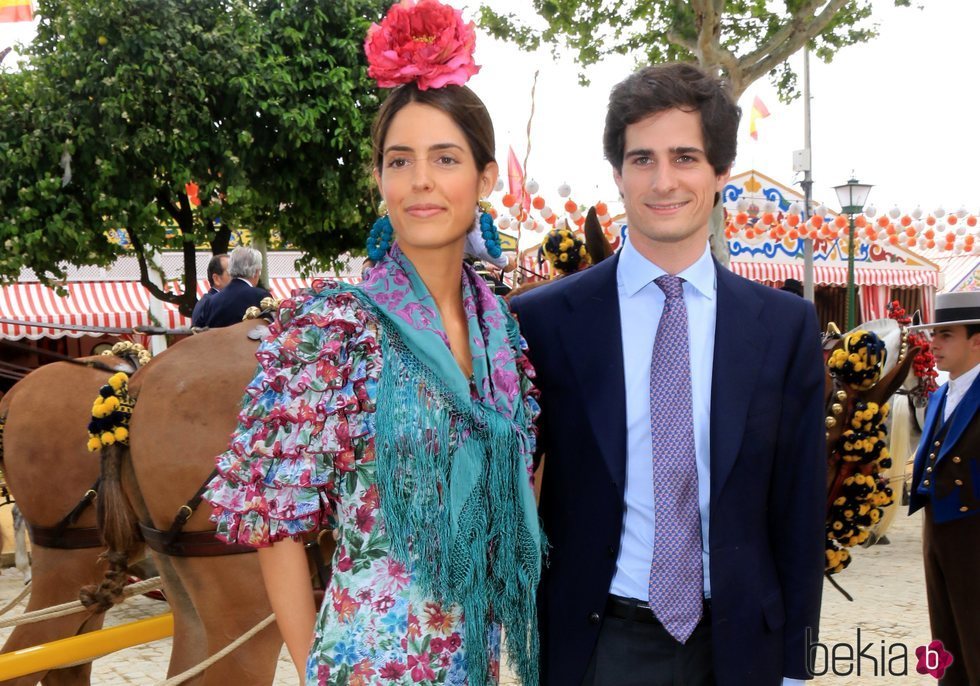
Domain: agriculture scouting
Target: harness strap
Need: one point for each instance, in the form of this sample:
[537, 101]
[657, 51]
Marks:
[61, 536]
[65, 539]
[189, 543]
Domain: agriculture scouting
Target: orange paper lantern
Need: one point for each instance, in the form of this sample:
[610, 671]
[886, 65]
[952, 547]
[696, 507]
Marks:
[538, 203]
[742, 218]
[893, 239]
[840, 221]
[508, 200]
[570, 206]
[601, 208]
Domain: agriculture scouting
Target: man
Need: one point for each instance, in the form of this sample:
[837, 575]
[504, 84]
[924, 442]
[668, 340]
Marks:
[946, 486]
[228, 307]
[218, 278]
[682, 427]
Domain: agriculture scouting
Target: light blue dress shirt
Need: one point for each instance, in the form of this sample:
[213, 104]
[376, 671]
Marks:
[640, 304]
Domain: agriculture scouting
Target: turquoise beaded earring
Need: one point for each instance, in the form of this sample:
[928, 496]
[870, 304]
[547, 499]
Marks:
[489, 230]
[379, 237]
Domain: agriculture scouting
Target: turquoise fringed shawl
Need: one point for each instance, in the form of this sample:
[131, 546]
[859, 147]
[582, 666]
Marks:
[452, 470]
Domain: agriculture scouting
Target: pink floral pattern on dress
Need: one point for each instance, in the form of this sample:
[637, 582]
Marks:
[303, 458]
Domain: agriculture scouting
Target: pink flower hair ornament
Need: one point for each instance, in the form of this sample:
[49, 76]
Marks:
[423, 41]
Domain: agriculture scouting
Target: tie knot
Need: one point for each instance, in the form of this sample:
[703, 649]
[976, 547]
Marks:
[672, 286]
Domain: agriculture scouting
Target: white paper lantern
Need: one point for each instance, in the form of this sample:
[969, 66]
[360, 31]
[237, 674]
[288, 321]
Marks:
[503, 223]
[742, 205]
[532, 187]
[820, 211]
[499, 186]
[603, 218]
[894, 213]
[961, 230]
[939, 213]
[564, 190]
[870, 211]
[961, 212]
[916, 213]
[514, 209]
[546, 211]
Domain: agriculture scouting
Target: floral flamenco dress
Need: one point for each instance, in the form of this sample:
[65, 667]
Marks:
[359, 419]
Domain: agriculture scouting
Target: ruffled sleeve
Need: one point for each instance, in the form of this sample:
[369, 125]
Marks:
[306, 419]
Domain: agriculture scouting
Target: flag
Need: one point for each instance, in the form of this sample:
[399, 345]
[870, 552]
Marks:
[515, 179]
[16, 10]
[759, 111]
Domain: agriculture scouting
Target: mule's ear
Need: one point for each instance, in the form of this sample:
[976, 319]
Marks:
[595, 240]
[889, 384]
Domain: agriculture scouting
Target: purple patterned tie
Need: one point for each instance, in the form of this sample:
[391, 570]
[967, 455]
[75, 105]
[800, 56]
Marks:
[676, 574]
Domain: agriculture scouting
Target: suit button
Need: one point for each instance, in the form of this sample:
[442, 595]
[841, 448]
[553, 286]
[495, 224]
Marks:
[932, 456]
[929, 469]
[964, 508]
[937, 444]
[957, 459]
[926, 482]
[958, 482]
[594, 618]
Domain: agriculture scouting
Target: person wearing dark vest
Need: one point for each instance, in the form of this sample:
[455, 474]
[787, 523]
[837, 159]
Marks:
[218, 278]
[228, 306]
[946, 487]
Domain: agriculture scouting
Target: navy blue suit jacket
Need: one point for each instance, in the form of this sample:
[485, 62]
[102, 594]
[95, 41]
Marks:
[200, 312]
[228, 306]
[957, 461]
[768, 472]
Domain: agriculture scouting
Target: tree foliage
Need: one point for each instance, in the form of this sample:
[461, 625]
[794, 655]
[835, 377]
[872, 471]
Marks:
[264, 105]
[743, 39]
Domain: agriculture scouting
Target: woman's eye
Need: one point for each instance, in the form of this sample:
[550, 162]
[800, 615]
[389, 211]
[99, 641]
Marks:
[397, 162]
[447, 160]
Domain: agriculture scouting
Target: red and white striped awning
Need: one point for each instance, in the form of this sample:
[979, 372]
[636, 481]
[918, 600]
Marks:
[834, 275]
[112, 304]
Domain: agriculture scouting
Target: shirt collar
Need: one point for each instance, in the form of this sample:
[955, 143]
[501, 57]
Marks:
[636, 271]
[963, 382]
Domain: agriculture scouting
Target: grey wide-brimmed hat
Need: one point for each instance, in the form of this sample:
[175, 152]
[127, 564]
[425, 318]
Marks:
[955, 309]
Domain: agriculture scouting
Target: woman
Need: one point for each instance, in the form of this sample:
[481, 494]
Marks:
[398, 412]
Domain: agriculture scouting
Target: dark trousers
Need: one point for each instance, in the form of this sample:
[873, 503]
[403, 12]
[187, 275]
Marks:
[951, 552]
[636, 650]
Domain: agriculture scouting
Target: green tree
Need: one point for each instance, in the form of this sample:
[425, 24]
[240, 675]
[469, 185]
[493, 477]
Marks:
[743, 39]
[265, 106]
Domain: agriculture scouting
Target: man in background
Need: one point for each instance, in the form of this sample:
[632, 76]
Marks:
[229, 305]
[218, 278]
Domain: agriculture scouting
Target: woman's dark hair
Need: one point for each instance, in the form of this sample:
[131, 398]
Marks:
[459, 102]
[674, 86]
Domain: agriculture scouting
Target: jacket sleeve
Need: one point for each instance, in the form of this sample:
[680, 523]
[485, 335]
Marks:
[797, 508]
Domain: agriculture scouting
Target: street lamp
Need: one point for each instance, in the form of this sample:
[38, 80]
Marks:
[852, 197]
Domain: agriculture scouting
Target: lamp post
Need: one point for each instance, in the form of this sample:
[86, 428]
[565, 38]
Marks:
[852, 197]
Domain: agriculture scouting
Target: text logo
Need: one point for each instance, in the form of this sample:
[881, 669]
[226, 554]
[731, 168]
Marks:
[862, 658]
[934, 659]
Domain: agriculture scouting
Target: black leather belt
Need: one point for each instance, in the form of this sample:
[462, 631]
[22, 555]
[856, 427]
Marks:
[637, 610]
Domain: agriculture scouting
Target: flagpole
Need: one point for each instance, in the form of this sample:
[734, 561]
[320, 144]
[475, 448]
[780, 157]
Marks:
[808, 286]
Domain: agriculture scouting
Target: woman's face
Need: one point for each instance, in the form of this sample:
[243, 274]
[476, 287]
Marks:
[429, 180]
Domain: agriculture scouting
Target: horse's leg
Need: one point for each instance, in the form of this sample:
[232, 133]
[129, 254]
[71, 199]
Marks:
[230, 598]
[58, 576]
[22, 559]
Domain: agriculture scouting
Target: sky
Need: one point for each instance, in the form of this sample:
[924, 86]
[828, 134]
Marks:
[899, 112]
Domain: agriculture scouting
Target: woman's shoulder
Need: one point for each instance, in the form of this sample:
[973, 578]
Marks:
[325, 304]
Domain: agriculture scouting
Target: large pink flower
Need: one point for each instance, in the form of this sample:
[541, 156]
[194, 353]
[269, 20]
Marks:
[422, 41]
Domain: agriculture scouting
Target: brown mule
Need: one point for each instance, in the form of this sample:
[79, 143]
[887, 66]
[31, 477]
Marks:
[187, 401]
[49, 469]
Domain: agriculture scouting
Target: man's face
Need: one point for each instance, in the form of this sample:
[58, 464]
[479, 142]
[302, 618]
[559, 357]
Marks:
[224, 278]
[955, 353]
[668, 185]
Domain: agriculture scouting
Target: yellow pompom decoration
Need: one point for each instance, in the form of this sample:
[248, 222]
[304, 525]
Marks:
[94, 444]
[121, 433]
[118, 380]
[108, 438]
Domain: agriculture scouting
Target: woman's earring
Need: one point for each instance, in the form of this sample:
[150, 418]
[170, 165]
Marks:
[488, 229]
[379, 237]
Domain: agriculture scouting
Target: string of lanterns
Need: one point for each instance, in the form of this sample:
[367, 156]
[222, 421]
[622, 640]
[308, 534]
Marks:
[954, 232]
[530, 211]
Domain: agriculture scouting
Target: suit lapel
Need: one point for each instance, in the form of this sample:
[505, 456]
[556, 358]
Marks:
[740, 346]
[592, 337]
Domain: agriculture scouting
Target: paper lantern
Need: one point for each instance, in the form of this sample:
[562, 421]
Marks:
[930, 220]
[793, 219]
[499, 186]
[840, 221]
[570, 206]
[870, 210]
[816, 221]
[893, 240]
[531, 186]
[538, 203]
[508, 200]
[883, 221]
[930, 244]
[741, 219]
[971, 221]
[601, 208]
[906, 220]
[503, 223]
[939, 212]
[860, 221]
[894, 213]
[564, 190]
[547, 212]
